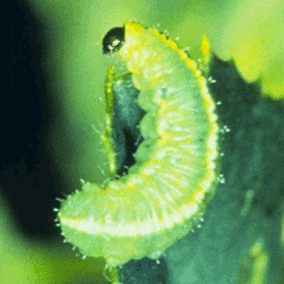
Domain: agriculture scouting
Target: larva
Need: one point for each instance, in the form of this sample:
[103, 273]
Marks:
[167, 190]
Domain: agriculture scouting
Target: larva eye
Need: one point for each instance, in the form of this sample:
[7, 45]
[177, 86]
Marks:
[113, 40]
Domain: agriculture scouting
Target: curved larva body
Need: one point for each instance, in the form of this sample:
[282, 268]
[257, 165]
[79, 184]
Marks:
[167, 190]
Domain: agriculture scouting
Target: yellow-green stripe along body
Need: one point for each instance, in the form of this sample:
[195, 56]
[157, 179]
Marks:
[166, 192]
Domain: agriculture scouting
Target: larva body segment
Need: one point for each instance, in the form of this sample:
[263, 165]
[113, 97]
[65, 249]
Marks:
[167, 190]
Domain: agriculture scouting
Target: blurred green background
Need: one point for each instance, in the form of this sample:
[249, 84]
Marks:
[53, 87]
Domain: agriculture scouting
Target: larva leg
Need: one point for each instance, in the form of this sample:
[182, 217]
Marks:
[111, 274]
[107, 137]
[206, 54]
[123, 114]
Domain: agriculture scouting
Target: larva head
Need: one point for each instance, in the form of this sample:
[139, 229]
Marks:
[131, 33]
[130, 43]
[113, 40]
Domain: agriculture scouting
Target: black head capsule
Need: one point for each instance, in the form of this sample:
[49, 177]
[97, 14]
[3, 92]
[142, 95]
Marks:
[113, 40]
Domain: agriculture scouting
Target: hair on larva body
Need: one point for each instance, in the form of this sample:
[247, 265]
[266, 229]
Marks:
[167, 190]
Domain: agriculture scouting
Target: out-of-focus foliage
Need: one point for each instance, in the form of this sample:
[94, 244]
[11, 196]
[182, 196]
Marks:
[248, 32]
[27, 261]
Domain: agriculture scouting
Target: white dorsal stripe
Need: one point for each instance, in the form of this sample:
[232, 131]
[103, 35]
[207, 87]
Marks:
[148, 227]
